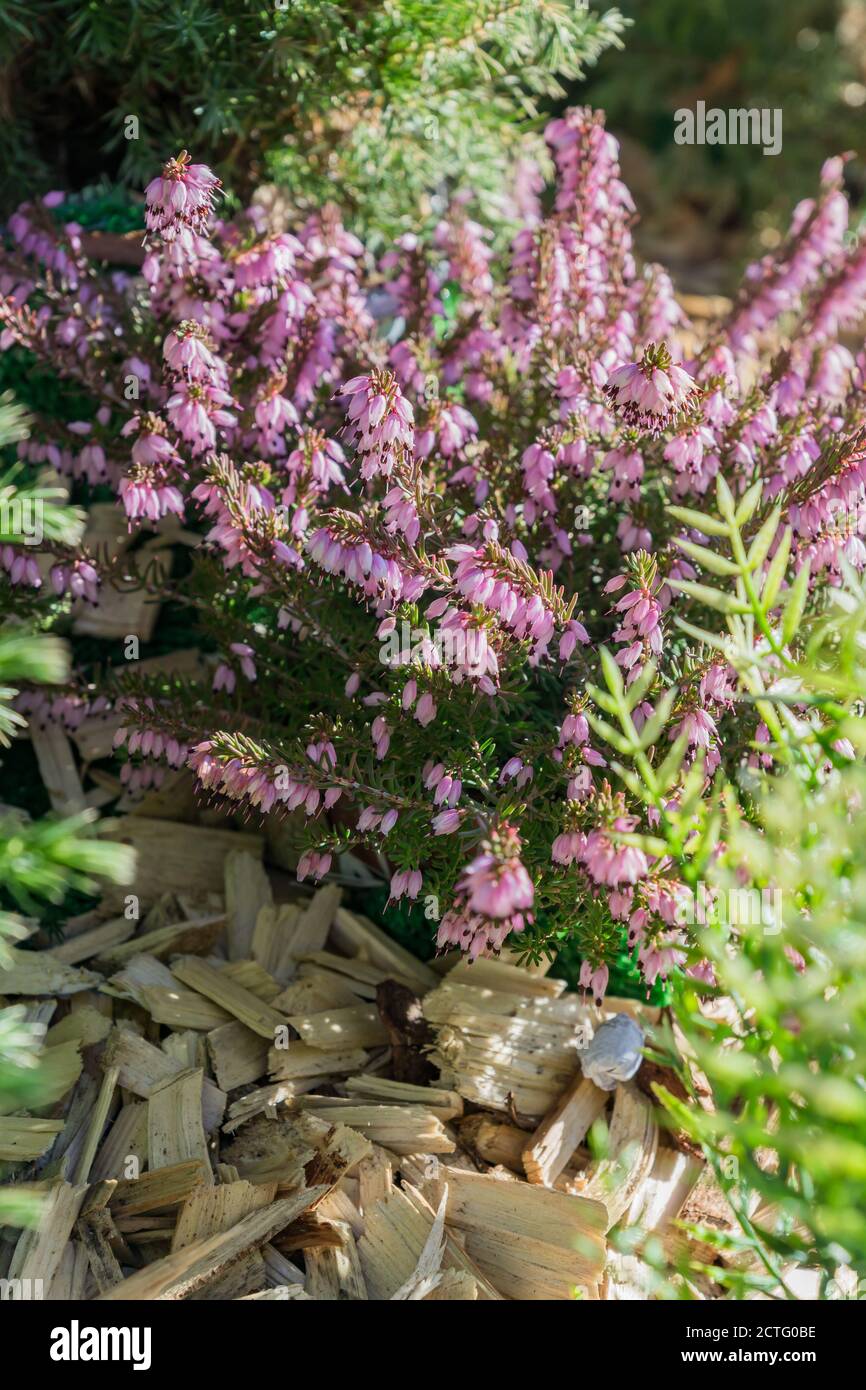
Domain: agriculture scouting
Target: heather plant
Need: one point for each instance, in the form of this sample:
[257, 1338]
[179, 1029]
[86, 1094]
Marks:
[430, 492]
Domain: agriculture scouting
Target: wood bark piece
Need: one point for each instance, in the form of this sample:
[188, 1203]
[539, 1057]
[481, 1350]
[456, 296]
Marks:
[315, 992]
[299, 1060]
[390, 1248]
[341, 1030]
[210, 1210]
[280, 1271]
[314, 924]
[69, 1284]
[361, 975]
[184, 1272]
[247, 889]
[561, 1130]
[404, 1129]
[375, 1178]
[95, 1232]
[94, 942]
[339, 1148]
[264, 1100]
[410, 1035]
[501, 976]
[494, 1141]
[504, 1052]
[127, 1138]
[455, 1258]
[175, 1007]
[96, 1125]
[252, 977]
[632, 1143]
[188, 938]
[24, 1138]
[532, 1243]
[59, 1070]
[143, 1067]
[175, 1131]
[82, 1026]
[244, 1277]
[40, 972]
[57, 768]
[39, 1250]
[334, 1272]
[63, 1156]
[359, 937]
[272, 938]
[237, 1054]
[396, 1231]
[259, 1017]
[662, 1196]
[447, 1105]
[338, 1206]
[187, 863]
[286, 1293]
[455, 1286]
[158, 1191]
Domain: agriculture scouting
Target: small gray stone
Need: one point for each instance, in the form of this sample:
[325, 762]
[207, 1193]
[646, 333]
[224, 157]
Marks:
[614, 1055]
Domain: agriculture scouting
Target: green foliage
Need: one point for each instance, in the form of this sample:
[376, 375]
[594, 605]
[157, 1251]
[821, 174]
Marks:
[802, 57]
[383, 102]
[785, 1058]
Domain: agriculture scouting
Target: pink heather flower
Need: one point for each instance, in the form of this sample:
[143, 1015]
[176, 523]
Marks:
[698, 726]
[492, 898]
[188, 352]
[580, 785]
[595, 979]
[151, 444]
[406, 884]
[246, 663]
[425, 710]
[147, 495]
[573, 632]
[180, 199]
[410, 691]
[511, 769]
[368, 819]
[658, 958]
[653, 393]
[611, 862]
[312, 865]
[567, 847]
[196, 409]
[78, 579]
[269, 263]
[224, 678]
[381, 736]
[361, 565]
[379, 421]
[446, 822]
[495, 888]
[432, 773]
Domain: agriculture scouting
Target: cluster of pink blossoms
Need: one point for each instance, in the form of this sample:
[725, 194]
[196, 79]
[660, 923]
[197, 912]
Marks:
[492, 898]
[354, 463]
